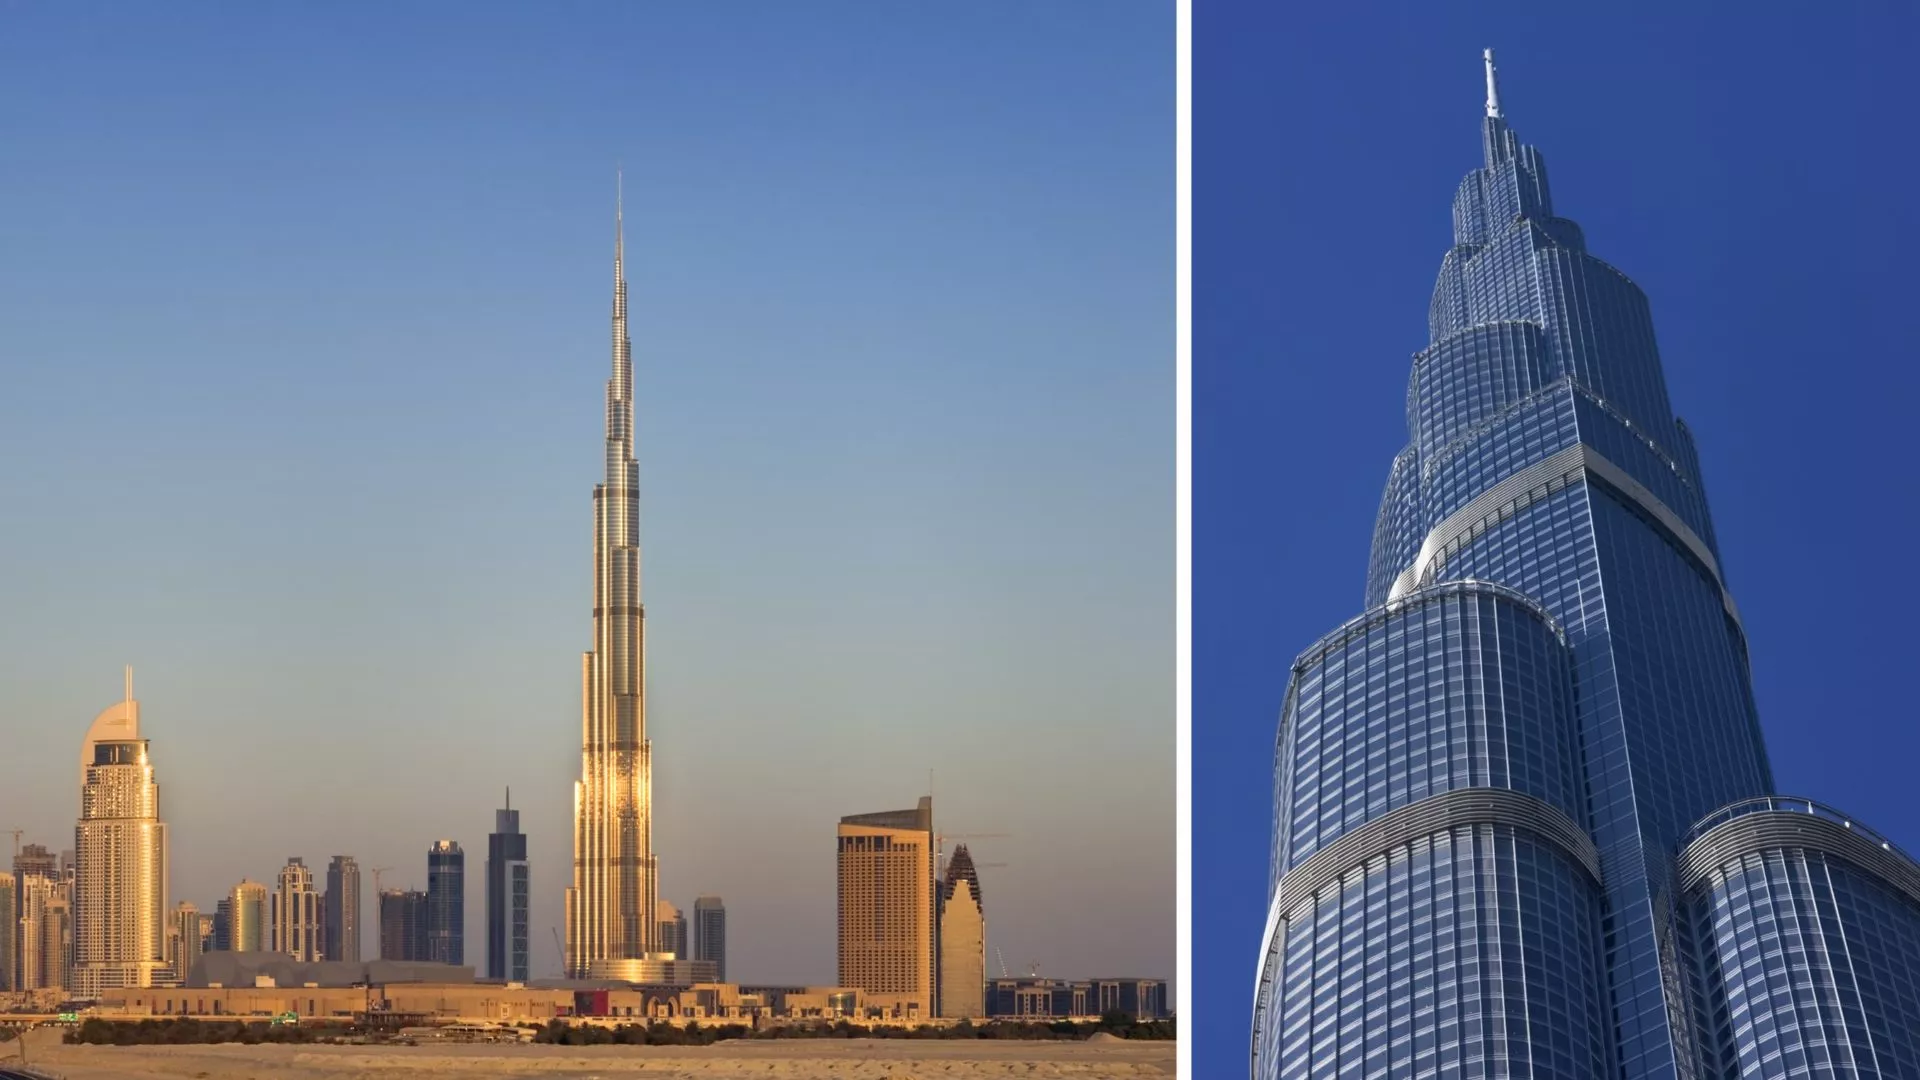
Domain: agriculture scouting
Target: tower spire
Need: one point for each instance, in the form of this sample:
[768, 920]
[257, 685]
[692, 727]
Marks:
[619, 223]
[1493, 86]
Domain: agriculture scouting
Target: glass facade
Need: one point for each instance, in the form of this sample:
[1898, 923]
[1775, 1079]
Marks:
[446, 903]
[1490, 788]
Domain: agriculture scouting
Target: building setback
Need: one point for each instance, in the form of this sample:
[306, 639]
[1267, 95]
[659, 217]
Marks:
[886, 907]
[710, 934]
[508, 883]
[1524, 821]
[341, 910]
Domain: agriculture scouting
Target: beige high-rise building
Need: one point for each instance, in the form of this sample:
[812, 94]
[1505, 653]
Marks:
[183, 938]
[119, 903]
[963, 940]
[886, 908]
[46, 933]
[247, 917]
[296, 913]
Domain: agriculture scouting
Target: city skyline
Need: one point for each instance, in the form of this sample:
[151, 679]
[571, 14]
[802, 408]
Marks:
[857, 536]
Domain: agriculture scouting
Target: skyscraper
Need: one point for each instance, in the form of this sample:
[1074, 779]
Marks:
[247, 914]
[886, 907]
[672, 937]
[403, 925]
[963, 940]
[44, 946]
[710, 934]
[609, 908]
[183, 938]
[9, 929]
[446, 903]
[119, 900]
[341, 909]
[507, 896]
[1523, 815]
[296, 913]
[36, 859]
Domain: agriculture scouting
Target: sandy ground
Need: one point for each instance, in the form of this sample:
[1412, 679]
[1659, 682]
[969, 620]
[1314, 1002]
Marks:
[808, 1059]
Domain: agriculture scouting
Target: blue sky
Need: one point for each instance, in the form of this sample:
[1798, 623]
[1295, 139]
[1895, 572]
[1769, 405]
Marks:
[303, 322]
[1750, 173]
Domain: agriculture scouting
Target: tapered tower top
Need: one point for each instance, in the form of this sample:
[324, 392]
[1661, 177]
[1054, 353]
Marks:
[1493, 85]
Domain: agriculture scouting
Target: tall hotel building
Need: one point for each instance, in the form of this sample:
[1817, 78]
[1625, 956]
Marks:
[1524, 822]
[119, 905]
[887, 908]
[610, 906]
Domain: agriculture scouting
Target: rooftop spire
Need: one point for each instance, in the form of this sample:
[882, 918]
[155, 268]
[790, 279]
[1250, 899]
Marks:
[619, 225]
[1493, 87]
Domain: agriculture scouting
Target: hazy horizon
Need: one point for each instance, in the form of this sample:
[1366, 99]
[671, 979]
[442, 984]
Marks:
[307, 353]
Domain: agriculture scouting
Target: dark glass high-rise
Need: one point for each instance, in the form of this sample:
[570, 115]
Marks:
[1524, 822]
[507, 896]
[446, 903]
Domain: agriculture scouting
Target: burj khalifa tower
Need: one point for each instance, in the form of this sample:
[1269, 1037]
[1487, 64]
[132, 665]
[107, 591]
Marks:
[610, 926]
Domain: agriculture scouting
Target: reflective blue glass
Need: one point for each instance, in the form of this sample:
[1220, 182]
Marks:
[1507, 796]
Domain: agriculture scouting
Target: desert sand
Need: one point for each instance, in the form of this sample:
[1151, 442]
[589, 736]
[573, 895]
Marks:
[796, 1059]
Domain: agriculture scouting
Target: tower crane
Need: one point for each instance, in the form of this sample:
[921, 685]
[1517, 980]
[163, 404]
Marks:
[940, 845]
[17, 833]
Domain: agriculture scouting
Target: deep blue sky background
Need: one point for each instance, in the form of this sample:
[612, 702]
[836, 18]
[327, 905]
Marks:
[303, 342]
[1752, 171]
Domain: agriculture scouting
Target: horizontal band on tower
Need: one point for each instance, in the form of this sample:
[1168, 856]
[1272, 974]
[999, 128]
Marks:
[1523, 488]
[1435, 814]
[1773, 823]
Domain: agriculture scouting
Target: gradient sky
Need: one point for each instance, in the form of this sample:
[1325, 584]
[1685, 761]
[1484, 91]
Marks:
[304, 329]
[1751, 172]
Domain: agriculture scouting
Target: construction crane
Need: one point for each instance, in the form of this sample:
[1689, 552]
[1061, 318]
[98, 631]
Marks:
[561, 949]
[17, 833]
[1002, 957]
[940, 845]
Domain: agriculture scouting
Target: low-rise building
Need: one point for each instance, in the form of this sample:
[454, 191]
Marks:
[1082, 999]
